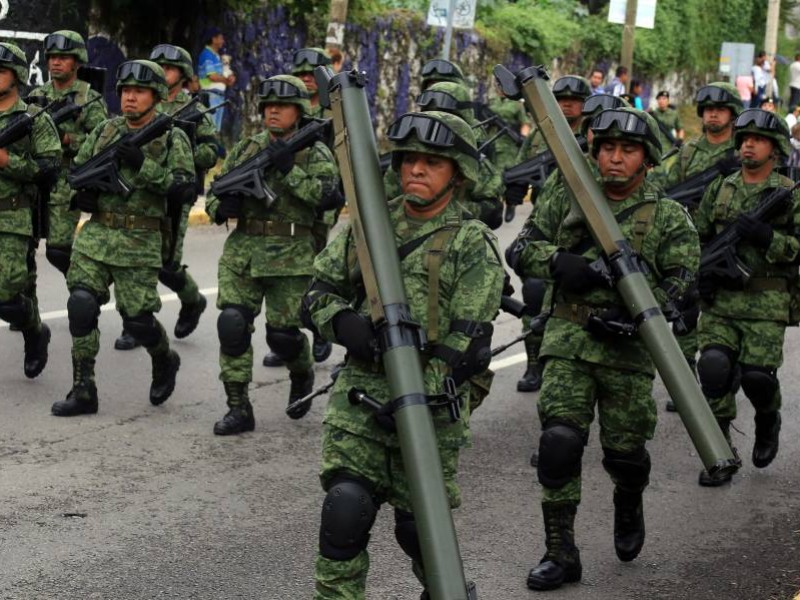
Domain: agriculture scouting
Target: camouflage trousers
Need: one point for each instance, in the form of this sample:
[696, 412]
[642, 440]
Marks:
[533, 342]
[382, 466]
[62, 225]
[282, 297]
[135, 293]
[18, 276]
[757, 343]
[626, 410]
[189, 292]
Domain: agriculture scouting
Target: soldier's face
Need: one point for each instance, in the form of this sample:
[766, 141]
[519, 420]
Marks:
[756, 149]
[173, 75]
[425, 175]
[311, 83]
[663, 102]
[61, 67]
[7, 80]
[621, 159]
[136, 99]
[717, 118]
[281, 116]
[571, 107]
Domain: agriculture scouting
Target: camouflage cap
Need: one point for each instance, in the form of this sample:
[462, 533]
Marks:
[763, 123]
[142, 73]
[437, 133]
[12, 57]
[284, 89]
[168, 54]
[66, 43]
[629, 124]
[306, 60]
[572, 86]
[719, 93]
[597, 103]
[447, 96]
[441, 70]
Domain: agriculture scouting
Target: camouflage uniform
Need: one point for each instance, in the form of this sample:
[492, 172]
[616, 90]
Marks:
[513, 113]
[670, 121]
[28, 158]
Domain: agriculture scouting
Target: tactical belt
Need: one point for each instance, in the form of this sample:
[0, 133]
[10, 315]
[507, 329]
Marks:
[767, 284]
[14, 203]
[119, 221]
[259, 227]
[576, 313]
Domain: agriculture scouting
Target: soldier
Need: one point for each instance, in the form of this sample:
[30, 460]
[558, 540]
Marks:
[453, 279]
[304, 62]
[741, 331]
[65, 52]
[437, 70]
[592, 353]
[124, 241]
[22, 165]
[269, 255]
[513, 114]
[668, 119]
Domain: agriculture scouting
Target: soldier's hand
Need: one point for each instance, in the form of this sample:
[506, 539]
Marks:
[3, 158]
[515, 193]
[758, 233]
[182, 194]
[707, 288]
[131, 155]
[573, 273]
[86, 201]
[355, 332]
[283, 159]
[230, 207]
[331, 200]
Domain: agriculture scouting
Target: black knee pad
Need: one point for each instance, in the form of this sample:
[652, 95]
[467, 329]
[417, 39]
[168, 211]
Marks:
[348, 512]
[59, 257]
[286, 342]
[560, 453]
[173, 276]
[235, 329]
[533, 291]
[83, 310]
[718, 371]
[759, 384]
[16, 311]
[405, 531]
[143, 328]
[629, 470]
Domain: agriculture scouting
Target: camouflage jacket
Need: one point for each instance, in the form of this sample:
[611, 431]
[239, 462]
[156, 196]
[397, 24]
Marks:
[166, 158]
[298, 195]
[535, 144]
[659, 230]
[694, 157]
[470, 283]
[206, 139]
[513, 113]
[26, 158]
[725, 199]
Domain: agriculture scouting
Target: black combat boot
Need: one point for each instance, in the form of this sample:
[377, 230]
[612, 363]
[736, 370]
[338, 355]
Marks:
[165, 368]
[532, 380]
[189, 317]
[768, 428]
[302, 385]
[321, 349]
[628, 524]
[36, 343]
[240, 414]
[82, 398]
[273, 360]
[719, 479]
[511, 211]
[126, 341]
[562, 561]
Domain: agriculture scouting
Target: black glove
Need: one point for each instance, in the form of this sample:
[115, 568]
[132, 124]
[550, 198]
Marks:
[754, 231]
[331, 199]
[508, 289]
[515, 193]
[131, 155]
[707, 288]
[85, 201]
[612, 323]
[573, 273]
[514, 253]
[282, 158]
[230, 207]
[356, 334]
[182, 194]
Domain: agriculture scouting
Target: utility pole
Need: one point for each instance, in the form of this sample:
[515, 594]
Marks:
[771, 41]
[628, 35]
[334, 37]
[448, 32]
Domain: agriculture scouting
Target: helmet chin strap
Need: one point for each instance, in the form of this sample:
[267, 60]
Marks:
[621, 182]
[750, 163]
[418, 202]
[135, 116]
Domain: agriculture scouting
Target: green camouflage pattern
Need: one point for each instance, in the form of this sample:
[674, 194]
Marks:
[671, 121]
[16, 279]
[693, 157]
[190, 293]
[571, 389]
[162, 93]
[80, 53]
[20, 71]
[166, 158]
[298, 194]
[206, 138]
[670, 243]
[778, 261]
[513, 113]
[303, 104]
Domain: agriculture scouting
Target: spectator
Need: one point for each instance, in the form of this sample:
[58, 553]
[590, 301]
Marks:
[794, 81]
[636, 94]
[794, 158]
[759, 79]
[791, 118]
[768, 104]
[745, 87]
[596, 81]
[211, 72]
[620, 81]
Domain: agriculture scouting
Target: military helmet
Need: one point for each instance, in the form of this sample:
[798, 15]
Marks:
[66, 43]
[594, 104]
[168, 54]
[438, 133]
[718, 94]
[441, 70]
[764, 123]
[12, 57]
[284, 89]
[142, 73]
[572, 86]
[449, 97]
[306, 60]
[627, 123]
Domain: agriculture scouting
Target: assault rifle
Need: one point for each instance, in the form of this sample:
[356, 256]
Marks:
[188, 117]
[718, 259]
[247, 179]
[488, 117]
[690, 192]
[534, 172]
[101, 172]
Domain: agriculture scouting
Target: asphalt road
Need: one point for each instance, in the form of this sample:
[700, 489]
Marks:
[144, 502]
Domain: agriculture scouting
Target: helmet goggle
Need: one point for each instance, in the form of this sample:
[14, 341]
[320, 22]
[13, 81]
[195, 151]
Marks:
[570, 86]
[600, 102]
[440, 100]
[281, 89]
[166, 52]
[56, 41]
[312, 57]
[711, 94]
[762, 119]
[439, 67]
[430, 132]
[623, 121]
[7, 56]
[139, 72]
